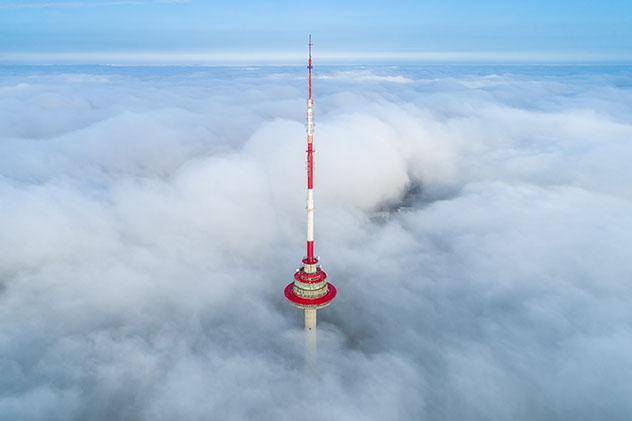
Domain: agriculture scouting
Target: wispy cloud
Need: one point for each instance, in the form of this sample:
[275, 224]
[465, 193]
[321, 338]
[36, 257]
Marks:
[78, 4]
[294, 57]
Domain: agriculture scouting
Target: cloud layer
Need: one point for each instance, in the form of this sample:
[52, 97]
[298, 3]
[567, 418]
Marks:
[475, 220]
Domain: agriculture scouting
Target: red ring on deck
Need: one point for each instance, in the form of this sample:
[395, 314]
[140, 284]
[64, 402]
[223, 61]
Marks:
[307, 261]
[310, 302]
[310, 278]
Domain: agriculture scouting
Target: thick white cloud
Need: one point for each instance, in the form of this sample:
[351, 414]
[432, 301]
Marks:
[475, 220]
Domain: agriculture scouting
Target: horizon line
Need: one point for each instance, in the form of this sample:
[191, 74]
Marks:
[201, 58]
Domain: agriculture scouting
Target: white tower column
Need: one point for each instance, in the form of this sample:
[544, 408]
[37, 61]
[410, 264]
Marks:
[311, 348]
[310, 318]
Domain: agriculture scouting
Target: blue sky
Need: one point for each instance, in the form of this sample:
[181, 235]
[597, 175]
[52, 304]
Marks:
[167, 30]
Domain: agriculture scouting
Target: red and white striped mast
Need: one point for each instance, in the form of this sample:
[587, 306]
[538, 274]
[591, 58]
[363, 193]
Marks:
[310, 158]
[310, 289]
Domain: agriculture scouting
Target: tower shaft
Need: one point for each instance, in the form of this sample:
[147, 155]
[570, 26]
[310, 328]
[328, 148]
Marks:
[310, 290]
[310, 318]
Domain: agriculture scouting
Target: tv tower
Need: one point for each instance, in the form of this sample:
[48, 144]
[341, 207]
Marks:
[310, 289]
